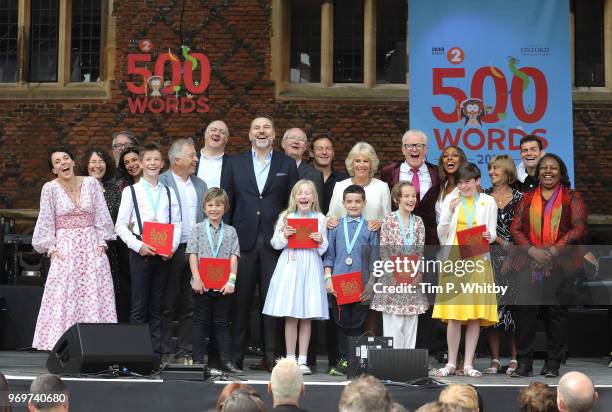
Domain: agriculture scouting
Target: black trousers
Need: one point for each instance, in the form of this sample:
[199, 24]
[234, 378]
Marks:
[211, 309]
[178, 304]
[149, 276]
[350, 321]
[256, 268]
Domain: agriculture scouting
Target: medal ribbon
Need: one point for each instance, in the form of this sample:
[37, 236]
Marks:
[350, 245]
[470, 216]
[407, 241]
[154, 204]
[215, 251]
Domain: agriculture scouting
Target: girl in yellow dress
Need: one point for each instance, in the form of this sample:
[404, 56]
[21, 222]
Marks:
[467, 296]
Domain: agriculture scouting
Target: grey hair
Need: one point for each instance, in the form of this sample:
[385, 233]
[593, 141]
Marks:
[48, 384]
[365, 394]
[127, 134]
[175, 149]
[415, 132]
[286, 134]
[286, 380]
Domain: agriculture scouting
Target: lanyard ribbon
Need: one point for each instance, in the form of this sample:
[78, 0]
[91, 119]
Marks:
[408, 241]
[215, 251]
[154, 204]
[469, 216]
[351, 244]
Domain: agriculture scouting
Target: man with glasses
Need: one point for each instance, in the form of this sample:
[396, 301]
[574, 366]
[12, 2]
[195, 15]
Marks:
[295, 144]
[121, 141]
[212, 161]
[178, 301]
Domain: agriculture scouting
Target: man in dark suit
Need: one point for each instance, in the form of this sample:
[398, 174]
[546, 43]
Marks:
[323, 157]
[295, 144]
[259, 183]
[424, 176]
[212, 161]
[178, 301]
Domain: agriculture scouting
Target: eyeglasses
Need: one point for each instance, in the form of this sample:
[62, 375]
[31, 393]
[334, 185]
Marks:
[417, 146]
[122, 146]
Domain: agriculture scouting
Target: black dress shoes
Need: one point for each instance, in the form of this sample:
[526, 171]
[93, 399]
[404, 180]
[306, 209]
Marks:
[522, 371]
[233, 369]
[550, 372]
[262, 365]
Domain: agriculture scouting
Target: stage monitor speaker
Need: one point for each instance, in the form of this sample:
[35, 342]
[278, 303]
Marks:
[94, 347]
[399, 365]
[359, 348]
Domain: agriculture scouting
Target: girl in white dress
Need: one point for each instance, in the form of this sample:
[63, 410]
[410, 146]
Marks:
[297, 289]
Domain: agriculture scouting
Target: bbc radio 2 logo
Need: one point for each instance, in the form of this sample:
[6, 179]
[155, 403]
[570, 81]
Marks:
[170, 84]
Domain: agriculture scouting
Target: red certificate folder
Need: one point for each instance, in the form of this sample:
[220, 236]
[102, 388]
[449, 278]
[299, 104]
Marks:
[158, 236]
[304, 228]
[348, 287]
[214, 272]
[471, 242]
[405, 277]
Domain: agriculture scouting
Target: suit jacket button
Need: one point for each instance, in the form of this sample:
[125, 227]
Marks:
[260, 196]
[258, 212]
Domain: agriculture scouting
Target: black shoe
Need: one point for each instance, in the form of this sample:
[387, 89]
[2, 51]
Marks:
[263, 365]
[550, 372]
[522, 372]
[231, 368]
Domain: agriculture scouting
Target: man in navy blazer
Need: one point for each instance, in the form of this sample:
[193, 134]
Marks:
[178, 297]
[259, 183]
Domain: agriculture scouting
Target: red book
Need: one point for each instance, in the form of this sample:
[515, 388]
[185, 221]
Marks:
[405, 274]
[471, 242]
[304, 228]
[214, 272]
[158, 236]
[348, 287]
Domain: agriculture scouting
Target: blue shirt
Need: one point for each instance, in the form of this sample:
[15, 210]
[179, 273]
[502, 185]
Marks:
[261, 170]
[365, 252]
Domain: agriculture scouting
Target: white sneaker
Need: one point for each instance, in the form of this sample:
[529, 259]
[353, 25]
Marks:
[305, 370]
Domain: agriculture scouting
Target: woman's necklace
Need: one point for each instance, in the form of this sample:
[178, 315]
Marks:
[362, 185]
[502, 197]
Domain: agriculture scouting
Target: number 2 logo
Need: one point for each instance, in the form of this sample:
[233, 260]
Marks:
[455, 55]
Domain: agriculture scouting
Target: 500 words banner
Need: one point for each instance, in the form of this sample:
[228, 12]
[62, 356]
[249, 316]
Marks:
[485, 73]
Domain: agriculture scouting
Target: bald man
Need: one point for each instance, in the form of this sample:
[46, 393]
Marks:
[212, 161]
[576, 393]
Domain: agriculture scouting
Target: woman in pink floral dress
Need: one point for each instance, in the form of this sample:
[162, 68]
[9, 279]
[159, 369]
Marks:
[72, 228]
[402, 234]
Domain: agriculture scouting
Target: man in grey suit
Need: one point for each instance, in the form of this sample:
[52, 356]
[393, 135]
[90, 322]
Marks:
[295, 144]
[178, 297]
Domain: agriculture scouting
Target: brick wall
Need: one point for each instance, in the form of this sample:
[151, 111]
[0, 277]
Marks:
[235, 35]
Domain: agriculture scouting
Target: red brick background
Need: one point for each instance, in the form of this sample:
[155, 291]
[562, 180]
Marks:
[235, 35]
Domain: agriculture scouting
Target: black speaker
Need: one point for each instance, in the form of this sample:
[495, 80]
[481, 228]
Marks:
[400, 365]
[93, 347]
[359, 348]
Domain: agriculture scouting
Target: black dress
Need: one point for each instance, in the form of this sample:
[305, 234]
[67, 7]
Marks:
[112, 195]
[498, 256]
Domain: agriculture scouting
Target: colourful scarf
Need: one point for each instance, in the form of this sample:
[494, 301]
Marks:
[544, 233]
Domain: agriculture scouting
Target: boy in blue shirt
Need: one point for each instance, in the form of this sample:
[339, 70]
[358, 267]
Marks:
[352, 248]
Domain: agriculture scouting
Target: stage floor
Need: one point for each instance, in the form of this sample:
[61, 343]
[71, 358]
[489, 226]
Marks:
[322, 391]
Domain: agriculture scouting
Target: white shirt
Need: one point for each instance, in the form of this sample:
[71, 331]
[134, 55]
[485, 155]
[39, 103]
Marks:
[378, 200]
[189, 205]
[127, 224]
[406, 174]
[209, 170]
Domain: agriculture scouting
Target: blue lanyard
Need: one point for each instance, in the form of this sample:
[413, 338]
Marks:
[215, 251]
[154, 204]
[350, 245]
[469, 216]
[407, 241]
[296, 216]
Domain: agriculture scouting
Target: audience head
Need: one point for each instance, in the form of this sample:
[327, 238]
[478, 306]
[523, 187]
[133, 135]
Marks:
[451, 159]
[96, 162]
[130, 165]
[398, 407]
[537, 397]
[576, 393]
[52, 392]
[322, 151]
[414, 147]
[243, 401]
[362, 161]
[286, 383]
[5, 405]
[216, 136]
[121, 141]
[183, 157]
[552, 171]
[295, 143]
[261, 133]
[438, 406]
[365, 394]
[462, 395]
[532, 150]
[231, 388]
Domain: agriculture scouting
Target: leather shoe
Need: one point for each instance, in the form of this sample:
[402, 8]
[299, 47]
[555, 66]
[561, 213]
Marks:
[263, 365]
[550, 372]
[231, 368]
[522, 371]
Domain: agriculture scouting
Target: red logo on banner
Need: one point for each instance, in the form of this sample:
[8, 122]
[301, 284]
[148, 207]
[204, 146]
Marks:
[455, 55]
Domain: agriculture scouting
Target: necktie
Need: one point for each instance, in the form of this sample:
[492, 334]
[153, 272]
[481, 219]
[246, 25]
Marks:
[415, 182]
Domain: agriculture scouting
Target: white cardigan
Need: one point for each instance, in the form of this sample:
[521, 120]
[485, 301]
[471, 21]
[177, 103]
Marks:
[486, 214]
